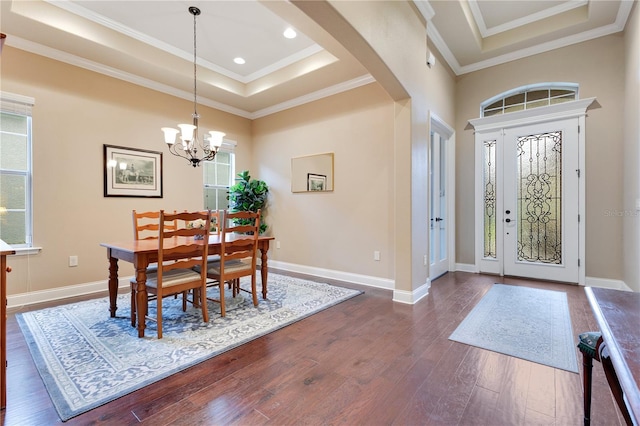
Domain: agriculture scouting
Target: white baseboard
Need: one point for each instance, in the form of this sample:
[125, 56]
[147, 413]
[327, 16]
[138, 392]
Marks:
[335, 275]
[412, 297]
[34, 297]
[606, 283]
[401, 296]
[589, 281]
[466, 267]
[41, 296]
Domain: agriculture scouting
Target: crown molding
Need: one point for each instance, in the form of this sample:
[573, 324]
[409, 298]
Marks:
[432, 32]
[534, 17]
[58, 55]
[172, 50]
[541, 48]
[314, 96]
[48, 52]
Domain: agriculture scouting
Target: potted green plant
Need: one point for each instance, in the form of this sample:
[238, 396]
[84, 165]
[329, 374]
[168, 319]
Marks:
[249, 195]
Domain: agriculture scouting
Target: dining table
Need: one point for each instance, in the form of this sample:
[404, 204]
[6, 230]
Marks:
[142, 253]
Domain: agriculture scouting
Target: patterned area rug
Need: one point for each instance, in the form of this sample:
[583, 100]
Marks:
[527, 323]
[87, 359]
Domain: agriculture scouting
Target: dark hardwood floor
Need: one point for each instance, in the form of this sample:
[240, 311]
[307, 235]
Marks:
[366, 361]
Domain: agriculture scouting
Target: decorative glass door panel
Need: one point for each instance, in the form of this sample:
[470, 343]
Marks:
[539, 198]
[489, 183]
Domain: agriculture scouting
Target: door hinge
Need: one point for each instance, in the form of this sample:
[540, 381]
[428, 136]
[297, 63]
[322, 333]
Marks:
[578, 262]
[578, 172]
[578, 218]
[578, 129]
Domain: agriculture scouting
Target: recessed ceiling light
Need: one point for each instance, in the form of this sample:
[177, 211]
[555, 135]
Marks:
[239, 60]
[290, 33]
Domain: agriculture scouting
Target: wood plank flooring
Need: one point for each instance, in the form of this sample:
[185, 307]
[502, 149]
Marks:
[366, 361]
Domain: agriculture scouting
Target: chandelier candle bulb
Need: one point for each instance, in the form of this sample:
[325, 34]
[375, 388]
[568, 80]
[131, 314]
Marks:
[170, 135]
[187, 131]
[216, 139]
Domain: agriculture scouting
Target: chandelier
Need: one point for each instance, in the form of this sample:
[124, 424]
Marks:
[190, 146]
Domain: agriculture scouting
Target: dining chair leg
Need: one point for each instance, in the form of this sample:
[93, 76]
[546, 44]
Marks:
[203, 303]
[159, 314]
[223, 311]
[133, 308]
[254, 290]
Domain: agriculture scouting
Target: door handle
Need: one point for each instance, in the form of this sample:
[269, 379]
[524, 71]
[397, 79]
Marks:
[507, 220]
[508, 212]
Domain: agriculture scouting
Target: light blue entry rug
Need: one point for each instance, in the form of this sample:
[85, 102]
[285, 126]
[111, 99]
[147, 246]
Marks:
[87, 359]
[523, 322]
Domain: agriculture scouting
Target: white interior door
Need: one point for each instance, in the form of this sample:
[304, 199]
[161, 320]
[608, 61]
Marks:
[438, 220]
[540, 205]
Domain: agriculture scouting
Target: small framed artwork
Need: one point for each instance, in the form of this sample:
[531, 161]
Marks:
[132, 172]
[316, 182]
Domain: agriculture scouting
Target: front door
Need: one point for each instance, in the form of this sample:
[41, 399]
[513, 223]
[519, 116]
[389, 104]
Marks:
[540, 205]
[530, 194]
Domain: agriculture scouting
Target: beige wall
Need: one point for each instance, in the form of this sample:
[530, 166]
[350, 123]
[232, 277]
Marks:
[598, 67]
[631, 221]
[391, 29]
[75, 113]
[336, 230]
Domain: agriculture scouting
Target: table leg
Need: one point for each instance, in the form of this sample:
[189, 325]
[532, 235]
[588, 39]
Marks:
[113, 285]
[141, 298]
[264, 271]
[614, 384]
[587, 371]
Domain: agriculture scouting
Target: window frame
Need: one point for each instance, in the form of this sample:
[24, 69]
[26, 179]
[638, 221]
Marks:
[11, 103]
[524, 91]
[227, 147]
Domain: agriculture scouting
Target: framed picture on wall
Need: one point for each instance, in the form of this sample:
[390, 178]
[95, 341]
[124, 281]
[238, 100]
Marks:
[132, 172]
[316, 182]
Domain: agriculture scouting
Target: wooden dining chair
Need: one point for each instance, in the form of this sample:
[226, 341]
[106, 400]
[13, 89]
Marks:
[145, 227]
[239, 233]
[179, 251]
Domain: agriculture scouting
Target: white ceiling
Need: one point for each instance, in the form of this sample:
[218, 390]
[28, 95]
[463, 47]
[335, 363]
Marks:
[151, 42]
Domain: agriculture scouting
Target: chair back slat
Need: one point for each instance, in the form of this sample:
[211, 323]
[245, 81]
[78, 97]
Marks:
[145, 225]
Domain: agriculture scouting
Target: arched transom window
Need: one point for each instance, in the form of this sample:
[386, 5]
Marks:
[528, 97]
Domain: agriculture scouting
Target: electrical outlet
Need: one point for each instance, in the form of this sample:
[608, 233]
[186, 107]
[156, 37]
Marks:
[277, 244]
[424, 260]
[73, 260]
[376, 255]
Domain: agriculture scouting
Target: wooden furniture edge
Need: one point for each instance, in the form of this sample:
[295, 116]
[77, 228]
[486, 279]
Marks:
[629, 386]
